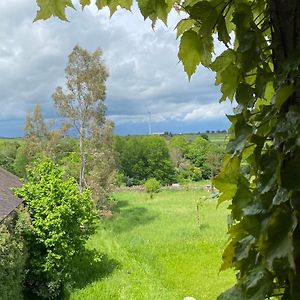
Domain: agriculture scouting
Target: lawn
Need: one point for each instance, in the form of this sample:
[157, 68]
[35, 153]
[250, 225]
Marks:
[156, 249]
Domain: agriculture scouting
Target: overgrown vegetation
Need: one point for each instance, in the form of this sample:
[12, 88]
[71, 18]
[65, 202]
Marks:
[13, 255]
[62, 220]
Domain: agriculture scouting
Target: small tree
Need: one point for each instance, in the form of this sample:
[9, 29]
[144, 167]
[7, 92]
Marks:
[62, 220]
[152, 186]
[35, 133]
[101, 165]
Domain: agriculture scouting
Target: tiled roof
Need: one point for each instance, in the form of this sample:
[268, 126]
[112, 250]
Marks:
[8, 201]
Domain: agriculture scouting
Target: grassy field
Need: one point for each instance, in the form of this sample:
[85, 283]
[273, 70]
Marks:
[156, 249]
[218, 138]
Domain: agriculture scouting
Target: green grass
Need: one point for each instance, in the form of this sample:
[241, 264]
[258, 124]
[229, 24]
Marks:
[218, 138]
[155, 249]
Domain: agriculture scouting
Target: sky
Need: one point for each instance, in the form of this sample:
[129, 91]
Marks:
[146, 79]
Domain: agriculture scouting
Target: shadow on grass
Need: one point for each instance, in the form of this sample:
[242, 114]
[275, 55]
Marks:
[125, 217]
[203, 226]
[92, 267]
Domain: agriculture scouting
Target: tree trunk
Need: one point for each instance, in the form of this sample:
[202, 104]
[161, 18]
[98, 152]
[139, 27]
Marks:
[82, 158]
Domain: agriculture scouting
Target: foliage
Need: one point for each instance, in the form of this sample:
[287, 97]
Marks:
[83, 101]
[62, 220]
[36, 132]
[178, 148]
[8, 153]
[206, 156]
[40, 140]
[101, 165]
[188, 172]
[141, 158]
[260, 70]
[152, 186]
[13, 255]
[20, 162]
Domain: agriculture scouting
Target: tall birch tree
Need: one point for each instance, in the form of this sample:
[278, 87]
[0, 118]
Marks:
[81, 102]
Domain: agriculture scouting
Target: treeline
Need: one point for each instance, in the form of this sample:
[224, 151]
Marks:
[136, 159]
[178, 159]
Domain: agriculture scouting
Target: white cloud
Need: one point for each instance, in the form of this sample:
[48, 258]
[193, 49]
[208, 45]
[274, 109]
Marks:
[144, 71]
[209, 112]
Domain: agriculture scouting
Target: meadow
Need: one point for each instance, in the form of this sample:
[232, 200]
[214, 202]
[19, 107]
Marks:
[158, 248]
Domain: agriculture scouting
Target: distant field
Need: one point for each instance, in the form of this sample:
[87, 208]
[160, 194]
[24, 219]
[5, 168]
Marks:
[155, 249]
[218, 138]
[17, 139]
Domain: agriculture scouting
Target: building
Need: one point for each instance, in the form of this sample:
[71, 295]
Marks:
[8, 201]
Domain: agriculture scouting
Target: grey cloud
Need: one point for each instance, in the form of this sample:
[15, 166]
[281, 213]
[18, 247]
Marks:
[144, 71]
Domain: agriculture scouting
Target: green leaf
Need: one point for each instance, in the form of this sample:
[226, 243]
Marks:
[227, 256]
[226, 181]
[154, 9]
[243, 247]
[281, 196]
[244, 95]
[290, 173]
[230, 81]
[258, 283]
[243, 133]
[227, 58]
[283, 94]
[279, 237]
[190, 51]
[223, 35]
[49, 8]
[195, 49]
[85, 3]
[113, 4]
[235, 293]
[183, 26]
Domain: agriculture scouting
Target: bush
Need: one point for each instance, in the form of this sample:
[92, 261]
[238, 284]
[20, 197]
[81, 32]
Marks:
[62, 220]
[13, 254]
[189, 173]
[152, 186]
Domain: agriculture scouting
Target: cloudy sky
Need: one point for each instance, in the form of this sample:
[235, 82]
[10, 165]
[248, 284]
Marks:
[145, 75]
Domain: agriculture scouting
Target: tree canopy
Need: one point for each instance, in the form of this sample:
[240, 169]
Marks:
[260, 71]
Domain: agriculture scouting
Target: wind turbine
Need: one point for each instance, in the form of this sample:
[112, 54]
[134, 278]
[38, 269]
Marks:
[149, 123]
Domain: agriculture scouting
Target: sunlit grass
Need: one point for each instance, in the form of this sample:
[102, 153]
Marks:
[156, 249]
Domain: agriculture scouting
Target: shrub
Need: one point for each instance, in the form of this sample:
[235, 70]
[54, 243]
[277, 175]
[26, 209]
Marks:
[152, 186]
[62, 220]
[189, 173]
[13, 254]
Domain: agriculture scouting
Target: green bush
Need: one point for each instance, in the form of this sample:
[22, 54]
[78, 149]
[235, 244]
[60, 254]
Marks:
[152, 186]
[13, 254]
[188, 174]
[62, 220]
[8, 152]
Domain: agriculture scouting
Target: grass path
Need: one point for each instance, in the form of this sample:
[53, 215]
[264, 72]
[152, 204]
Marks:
[155, 249]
